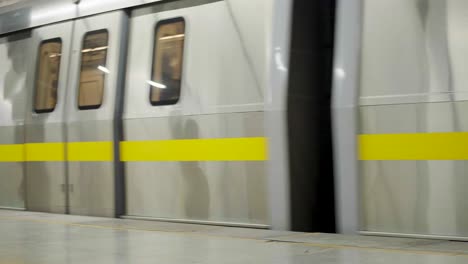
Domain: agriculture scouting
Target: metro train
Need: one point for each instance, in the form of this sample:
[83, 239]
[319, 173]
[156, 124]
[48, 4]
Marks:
[324, 116]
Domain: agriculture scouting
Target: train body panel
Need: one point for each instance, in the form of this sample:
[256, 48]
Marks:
[216, 191]
[13, 108]
[208, 66]
[412, 83]
[221, 97]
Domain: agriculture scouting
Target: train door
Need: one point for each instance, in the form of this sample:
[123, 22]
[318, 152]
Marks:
[194, 146]
[96, 74]
[14, 74]
[44, 125]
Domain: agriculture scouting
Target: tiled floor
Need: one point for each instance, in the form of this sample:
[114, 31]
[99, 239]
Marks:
[27, 237]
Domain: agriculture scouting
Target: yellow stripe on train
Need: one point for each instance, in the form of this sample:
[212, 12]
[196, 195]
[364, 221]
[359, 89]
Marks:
[416, 146]
[12, 153]
[44, 151]
[220, 149]
[90, 151]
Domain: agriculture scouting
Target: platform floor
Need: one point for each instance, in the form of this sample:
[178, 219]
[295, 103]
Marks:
[27, 237]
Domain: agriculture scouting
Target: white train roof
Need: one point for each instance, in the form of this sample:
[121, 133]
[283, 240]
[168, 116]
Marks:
[17, 15]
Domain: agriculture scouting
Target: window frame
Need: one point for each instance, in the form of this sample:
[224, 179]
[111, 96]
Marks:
[38, 64]
[92, 107]
[156, 27]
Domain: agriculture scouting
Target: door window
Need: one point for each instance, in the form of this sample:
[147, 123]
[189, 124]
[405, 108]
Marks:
[50, 53]
[167, 62]
[93, 69]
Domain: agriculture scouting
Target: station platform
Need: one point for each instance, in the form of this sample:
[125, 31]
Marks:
[28, 237]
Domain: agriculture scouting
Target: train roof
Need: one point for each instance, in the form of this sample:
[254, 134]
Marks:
[17, 15]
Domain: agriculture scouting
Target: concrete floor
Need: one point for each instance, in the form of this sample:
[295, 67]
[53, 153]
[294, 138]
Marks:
[27, 237]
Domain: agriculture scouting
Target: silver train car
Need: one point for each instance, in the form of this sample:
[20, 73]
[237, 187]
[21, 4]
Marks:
[145, 109]
[325, 116]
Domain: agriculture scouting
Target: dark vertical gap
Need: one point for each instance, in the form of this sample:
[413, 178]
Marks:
[119, 169]
[309, 116]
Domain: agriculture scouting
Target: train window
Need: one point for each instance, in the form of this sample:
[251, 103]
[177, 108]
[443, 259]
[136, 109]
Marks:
[93, 69]
[47, 75]
[167, 62]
